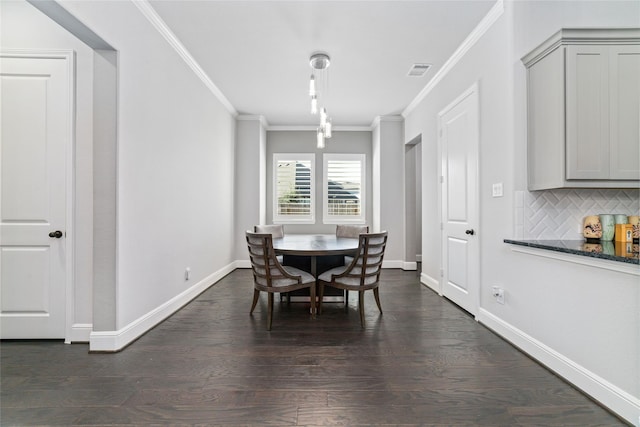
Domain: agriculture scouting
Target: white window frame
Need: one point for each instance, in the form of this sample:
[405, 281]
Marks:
[294, 219]
[342, 219]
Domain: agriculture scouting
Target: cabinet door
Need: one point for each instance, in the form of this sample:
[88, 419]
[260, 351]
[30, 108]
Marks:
[545, 122]
[587, 112]
[624, 89]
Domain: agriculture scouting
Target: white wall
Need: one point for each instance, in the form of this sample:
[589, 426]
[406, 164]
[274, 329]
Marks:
[389, 178]
[250, 180]
[175, 173]
[23, 26]
[353, 142]
[384, 203]
[580, 320]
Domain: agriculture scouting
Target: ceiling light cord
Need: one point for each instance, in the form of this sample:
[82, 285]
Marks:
[319, 63]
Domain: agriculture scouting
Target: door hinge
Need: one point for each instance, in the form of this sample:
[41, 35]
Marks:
[441, 273]
[441, 226]
[441, 179]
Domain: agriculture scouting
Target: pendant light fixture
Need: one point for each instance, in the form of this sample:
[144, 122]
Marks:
[320, 138]
[312, 86]
[319, 63]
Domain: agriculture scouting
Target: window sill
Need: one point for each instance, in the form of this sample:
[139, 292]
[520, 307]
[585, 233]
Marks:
[337, 221]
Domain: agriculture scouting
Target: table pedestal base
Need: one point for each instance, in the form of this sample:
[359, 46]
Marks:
[300, 298]
[316, 265]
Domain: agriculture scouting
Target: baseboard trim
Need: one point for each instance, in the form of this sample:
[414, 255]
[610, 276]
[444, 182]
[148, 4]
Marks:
[408, 265]
[430, 282]
[393, 264]
[242, 263]
[114, 341]
[617, 400]
[80, 332]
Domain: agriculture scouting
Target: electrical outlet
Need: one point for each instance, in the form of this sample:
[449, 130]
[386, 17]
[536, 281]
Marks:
[187, 273]
[498, 294]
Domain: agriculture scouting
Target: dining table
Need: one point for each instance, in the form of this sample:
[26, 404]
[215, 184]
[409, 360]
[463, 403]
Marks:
[315, 253]
[314, 246]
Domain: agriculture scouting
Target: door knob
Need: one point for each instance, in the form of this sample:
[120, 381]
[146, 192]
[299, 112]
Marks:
[470, 232]
[57, 234]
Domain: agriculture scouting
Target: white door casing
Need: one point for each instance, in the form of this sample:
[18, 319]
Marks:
[36, 118]
[459, 138]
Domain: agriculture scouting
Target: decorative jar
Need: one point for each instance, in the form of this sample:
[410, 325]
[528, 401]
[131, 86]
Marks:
[608, 227]
[634, 220]
[592, 229]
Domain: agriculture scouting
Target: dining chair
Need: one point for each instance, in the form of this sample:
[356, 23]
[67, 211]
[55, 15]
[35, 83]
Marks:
[276, 230]
[351, 231]
[361, 275]
[272, 277]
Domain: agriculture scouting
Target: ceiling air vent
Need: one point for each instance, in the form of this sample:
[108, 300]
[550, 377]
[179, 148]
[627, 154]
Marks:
[418, 70]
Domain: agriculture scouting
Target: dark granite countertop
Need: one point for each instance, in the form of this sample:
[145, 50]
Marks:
[614, 251]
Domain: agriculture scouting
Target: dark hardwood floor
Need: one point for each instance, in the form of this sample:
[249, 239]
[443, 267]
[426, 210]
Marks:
[423, 362]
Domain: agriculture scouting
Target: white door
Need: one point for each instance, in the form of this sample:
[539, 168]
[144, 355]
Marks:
[35, 121]
[459, 136]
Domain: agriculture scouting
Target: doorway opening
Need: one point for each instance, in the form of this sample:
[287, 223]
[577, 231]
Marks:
[101, 295]
[413, 203]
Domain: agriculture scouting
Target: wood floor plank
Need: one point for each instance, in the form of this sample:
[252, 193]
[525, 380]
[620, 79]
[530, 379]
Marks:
[423, 362]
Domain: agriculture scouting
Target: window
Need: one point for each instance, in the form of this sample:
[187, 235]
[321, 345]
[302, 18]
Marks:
[343, 188]
[294, 195]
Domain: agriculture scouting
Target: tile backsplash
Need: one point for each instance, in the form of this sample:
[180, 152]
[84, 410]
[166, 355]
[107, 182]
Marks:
[558, 214]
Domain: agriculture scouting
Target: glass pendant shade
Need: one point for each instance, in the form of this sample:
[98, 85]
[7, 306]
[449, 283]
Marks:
[312, 85]
[323, 116]
[320, 138]
[314, 105]
[327, 129]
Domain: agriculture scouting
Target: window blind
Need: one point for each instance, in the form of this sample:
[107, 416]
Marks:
[343, 188]
[293, 188]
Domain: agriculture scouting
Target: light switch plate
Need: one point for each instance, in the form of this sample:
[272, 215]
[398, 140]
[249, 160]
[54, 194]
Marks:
[497, 189]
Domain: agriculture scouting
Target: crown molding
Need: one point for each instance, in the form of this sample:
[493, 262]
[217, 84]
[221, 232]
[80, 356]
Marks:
[379, 119]
[574, 36]
[352, 129]
[303, 128]
[253, 117]
[496, 11]
[149, 12]
[314, 128]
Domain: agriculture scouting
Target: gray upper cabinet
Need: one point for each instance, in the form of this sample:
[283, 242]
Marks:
[583, 110]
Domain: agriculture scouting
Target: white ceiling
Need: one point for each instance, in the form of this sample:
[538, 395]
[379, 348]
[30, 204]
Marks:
[257, 52]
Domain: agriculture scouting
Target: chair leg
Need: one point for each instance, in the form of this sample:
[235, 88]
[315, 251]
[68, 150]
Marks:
[346, 297]
[256, 296]
[270, 311]
[361, 307]
[312, 300]
[320, 296]
[377, 295]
